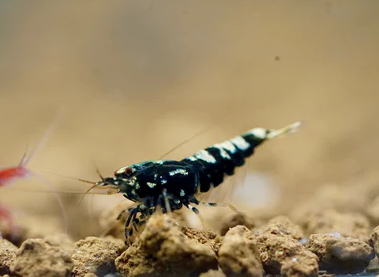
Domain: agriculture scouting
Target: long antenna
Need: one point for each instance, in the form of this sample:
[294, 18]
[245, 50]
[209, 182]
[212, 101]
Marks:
[203, 131]
[59, 200]
[87, 191]
[25, 159]
[65, 176]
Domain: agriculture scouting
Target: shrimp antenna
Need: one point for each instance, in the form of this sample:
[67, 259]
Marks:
[85, 181]
[69, 177]
[194, 136]
[99, 173]
[87, 191]
[59, 200]
[95, 184]
[91, 197]
[25, 159]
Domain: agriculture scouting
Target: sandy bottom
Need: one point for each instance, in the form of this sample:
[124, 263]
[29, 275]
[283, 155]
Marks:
[315, 238]
[120, 82]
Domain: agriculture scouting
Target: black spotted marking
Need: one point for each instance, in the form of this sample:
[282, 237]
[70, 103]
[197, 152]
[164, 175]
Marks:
[173, 184]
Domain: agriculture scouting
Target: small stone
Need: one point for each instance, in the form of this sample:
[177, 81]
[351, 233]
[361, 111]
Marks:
[37, 258]
[299, 267]
[340, 255]
[61, 240]
[277, 251]
[283, 226]
[238, 255]
[374, 240]
[204, 237]
[163, 250]
[134, 262]
[96, 255]
[7, 256]
[233, 220]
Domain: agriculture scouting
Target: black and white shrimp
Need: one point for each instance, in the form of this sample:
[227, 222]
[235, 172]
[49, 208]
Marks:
[171, 184]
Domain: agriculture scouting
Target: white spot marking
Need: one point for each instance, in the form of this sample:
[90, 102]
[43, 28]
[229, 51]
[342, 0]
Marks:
[182, 193]
[151, 185]
[223, 153]
[240, 142]
[192, 158]
[205, 156]
[163, 181]
[178, 171]
[131, 182]
[260, 133]
[228, 146]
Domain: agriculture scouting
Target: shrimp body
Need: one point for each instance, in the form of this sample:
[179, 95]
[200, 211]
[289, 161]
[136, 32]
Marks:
[8, 176]
[12, 174]
[173, 184]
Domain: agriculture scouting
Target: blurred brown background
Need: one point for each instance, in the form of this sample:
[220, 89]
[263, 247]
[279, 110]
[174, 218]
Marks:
[132, 79]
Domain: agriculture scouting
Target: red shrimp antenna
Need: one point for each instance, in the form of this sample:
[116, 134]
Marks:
[59, 200]
[25, 159]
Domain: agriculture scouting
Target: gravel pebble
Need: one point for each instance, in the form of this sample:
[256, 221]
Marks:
[279, 250]
[37, 258]
[7, 256]
[96, 255]
[239, 255]
[340, 255]
[283, 226]
[163, 250]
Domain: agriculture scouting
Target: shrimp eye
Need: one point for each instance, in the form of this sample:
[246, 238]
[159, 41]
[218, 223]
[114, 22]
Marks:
[124, 171]
[128, 171]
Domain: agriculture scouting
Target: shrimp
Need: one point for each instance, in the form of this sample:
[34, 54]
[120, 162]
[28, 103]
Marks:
[12, 174]
[170, 185]
[8, 176]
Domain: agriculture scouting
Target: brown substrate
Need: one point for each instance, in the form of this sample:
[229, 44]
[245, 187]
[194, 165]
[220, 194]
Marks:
[340, 243]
